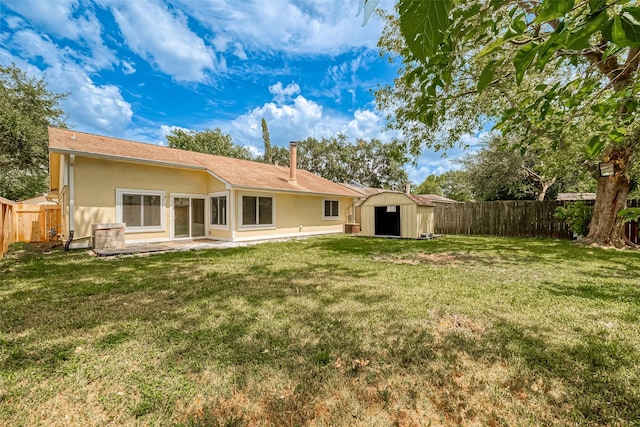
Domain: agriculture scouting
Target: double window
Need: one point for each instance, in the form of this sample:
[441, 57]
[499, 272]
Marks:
[257, 211]
[331, 210]
[218, 210]
[140, 210]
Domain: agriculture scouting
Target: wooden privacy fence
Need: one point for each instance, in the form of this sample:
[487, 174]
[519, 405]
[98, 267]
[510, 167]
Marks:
[7, 233]
[501, 218]
[526, 218]
[631, 228]
[34, 223]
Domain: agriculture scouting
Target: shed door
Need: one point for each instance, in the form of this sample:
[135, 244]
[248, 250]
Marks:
[387, 220]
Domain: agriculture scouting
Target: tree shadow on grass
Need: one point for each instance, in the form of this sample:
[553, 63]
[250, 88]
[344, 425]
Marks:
[93, 295]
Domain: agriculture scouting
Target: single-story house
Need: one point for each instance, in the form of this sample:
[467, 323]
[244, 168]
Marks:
[38, 200]
[572, 197]
[163, 194]
[437, 199]
[396, 214]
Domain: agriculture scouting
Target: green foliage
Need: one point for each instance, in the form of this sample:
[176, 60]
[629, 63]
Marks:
[27, 108]
[577, 215]
[469, 62]
[371, 163]
[455, 185]
[630, 214]
[208, 141]
[266, 138]
[431, 185]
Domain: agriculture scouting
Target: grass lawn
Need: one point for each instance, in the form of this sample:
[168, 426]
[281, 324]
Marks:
[324, 331]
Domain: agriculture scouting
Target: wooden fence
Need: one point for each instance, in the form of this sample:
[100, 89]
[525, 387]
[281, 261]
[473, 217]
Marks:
[7, 233]
[33, 223]
[510, 218]
[501, 218]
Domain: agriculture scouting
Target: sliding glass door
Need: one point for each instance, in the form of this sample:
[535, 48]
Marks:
[188, 217]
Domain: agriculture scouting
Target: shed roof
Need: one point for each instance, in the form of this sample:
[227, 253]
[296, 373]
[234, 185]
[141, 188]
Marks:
[418, 200]
[234, 172]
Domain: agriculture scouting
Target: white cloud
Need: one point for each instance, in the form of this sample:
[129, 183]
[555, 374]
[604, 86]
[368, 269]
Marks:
[128, 67]
[92, 107]
[67, 19]
[292, 26]
[282, 94]
[294, 118]
[162, 36]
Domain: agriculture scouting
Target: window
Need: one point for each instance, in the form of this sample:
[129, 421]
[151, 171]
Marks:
[257, 210]
[140, 210]
[331, 210]
[218, 210]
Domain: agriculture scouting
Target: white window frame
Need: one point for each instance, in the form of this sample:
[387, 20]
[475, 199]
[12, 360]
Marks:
[331, 218]
[242, 226]
[228, 216]
[141, 229]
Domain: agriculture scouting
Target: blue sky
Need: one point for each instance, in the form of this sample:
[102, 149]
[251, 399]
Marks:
[135, 69]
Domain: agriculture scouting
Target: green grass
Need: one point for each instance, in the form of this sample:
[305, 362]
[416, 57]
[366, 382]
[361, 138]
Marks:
[324, 331]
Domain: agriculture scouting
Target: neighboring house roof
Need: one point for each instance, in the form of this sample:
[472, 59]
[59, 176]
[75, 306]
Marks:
[438, 199]
[38, 200]
[420, 200]
[234, 172]
[576, 196]
[365, 191]
[6, 201]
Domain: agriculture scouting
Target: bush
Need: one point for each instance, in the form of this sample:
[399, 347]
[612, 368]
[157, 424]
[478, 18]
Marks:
[577, 215]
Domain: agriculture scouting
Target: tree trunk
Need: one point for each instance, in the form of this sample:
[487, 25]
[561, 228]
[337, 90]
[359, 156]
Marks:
[606, 229]
[544, 187]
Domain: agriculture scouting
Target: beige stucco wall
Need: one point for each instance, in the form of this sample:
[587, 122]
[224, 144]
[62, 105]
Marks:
[96, 182]
[295, 214]
[414, 219]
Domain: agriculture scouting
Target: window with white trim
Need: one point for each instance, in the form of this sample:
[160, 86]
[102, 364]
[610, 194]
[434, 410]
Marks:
[257, 211]
[331, 210]
[140, 210]
[218, 210]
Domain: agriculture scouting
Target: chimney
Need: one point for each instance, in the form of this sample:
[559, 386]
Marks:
[293, 159]
[407, 188]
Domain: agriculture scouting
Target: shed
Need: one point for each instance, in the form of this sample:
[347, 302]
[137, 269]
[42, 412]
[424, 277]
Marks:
[396, 214]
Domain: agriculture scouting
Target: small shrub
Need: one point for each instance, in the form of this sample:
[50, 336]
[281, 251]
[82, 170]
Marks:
[577, 215]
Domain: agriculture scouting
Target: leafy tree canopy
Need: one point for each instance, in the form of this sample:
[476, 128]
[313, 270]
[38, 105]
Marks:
[27, 108]
[557, 73]
[208, 141]
[370, 163]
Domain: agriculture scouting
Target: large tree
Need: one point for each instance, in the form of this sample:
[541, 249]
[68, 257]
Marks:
[497, 172]
[208, 141]
[368, 162]
[27, 108]
[557, 72]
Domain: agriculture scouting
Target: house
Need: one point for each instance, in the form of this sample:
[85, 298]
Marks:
[162, 194]
[396, 214]
[572, 197]
[438, 200]
[38, 200]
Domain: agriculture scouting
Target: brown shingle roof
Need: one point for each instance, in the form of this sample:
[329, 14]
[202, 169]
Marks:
[237, 173]
[420, 200]
[435, 198]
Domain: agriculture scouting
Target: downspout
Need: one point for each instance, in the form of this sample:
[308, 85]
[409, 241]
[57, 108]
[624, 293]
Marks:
[72, 159]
